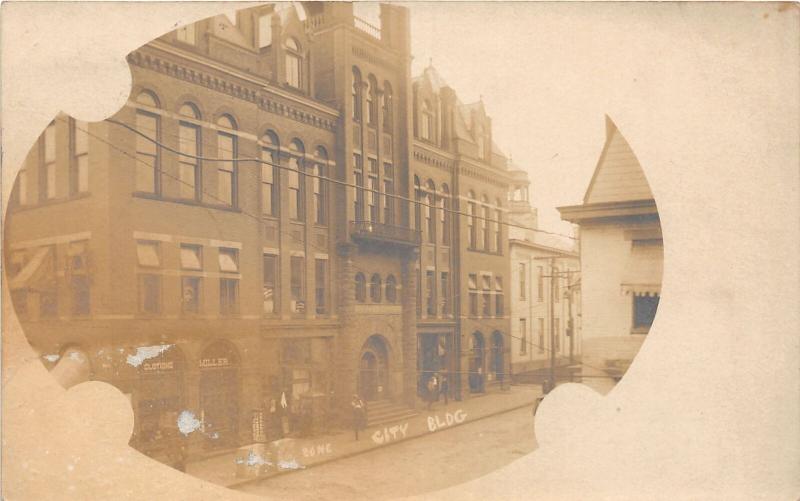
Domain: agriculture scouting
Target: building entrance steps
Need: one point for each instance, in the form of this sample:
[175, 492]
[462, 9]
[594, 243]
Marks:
[385, 411]
[309, 452]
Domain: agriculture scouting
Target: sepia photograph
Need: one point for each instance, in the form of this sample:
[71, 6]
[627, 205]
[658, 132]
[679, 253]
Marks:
[344, 250]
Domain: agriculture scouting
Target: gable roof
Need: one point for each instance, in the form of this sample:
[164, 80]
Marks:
[619, 176]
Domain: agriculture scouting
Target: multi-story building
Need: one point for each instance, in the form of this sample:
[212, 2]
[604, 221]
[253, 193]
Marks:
[265, 227]
[622, 255]
[545, 293]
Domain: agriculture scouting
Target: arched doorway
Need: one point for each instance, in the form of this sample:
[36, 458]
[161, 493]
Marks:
[476, 363]
[219, 394]
[498, 366]
[159, 398]
[373, 376]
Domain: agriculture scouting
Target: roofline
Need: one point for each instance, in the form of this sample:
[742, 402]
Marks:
[534, 245]
[609, 210]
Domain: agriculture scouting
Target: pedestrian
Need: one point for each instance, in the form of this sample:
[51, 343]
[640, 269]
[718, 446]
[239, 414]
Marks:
[433, 390]
[444, 388]
[359, 414]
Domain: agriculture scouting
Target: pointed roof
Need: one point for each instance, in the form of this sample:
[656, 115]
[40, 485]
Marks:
[618, 176]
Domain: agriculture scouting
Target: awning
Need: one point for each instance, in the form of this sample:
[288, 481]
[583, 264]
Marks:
[643, 271]
[32, 271]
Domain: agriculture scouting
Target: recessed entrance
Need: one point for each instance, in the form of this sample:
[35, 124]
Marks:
[476, 363]
[373, 377]
[219, 394]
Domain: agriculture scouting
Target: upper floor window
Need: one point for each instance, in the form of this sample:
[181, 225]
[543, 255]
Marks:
[358, 180]
[148, 124]
[444, 205]
[417, 205]
[357, 86]
[472, 214]
[430, 211]
[485, 216]
[388, 193]
[190, 148]
[523, 282]
[227, 146]
[360, 287]
[372, 100]
[79, 169]
[644, 312]
[296, 181]
[375, 288]
[320, 186]
[426, 121]
[387, 104]
[270, 174]
[294, 65]
[391, 289]
[186, 34]
[498, 229]
[499, 309]
[264, 31]
[48, 184]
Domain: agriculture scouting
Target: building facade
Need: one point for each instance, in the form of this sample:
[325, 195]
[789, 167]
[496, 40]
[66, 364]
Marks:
[245, 238]
[545, 293]
[622, 255]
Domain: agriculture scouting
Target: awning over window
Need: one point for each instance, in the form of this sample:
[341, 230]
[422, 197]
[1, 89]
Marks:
[34, 270]
[642, 276]
[147, 254]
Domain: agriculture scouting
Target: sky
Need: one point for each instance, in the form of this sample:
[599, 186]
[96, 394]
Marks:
[544, 88]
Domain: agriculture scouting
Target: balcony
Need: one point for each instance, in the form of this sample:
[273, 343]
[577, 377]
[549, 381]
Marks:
[367, 231]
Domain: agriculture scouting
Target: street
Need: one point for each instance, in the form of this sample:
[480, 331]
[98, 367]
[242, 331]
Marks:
[413, 467]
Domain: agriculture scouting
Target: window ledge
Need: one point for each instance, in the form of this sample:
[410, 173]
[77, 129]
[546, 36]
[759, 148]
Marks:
[184, 201]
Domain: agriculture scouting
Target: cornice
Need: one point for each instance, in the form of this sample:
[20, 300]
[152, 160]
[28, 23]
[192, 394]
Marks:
[236, 84]
[433, 159]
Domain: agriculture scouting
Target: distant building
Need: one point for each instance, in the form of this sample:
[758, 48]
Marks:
[536, 328]
[621, 261]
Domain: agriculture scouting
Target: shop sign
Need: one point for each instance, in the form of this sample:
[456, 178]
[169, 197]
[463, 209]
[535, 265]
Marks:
[206, 363]
[167, 365]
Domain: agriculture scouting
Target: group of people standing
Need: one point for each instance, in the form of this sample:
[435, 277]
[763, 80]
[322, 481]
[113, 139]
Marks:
[436, 386]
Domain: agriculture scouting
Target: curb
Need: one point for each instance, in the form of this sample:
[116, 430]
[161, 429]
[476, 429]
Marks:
[246, 481]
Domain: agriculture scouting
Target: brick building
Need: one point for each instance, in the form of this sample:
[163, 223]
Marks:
[262, 295]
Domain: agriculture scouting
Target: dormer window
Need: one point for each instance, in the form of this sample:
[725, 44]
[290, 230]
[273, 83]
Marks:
[426, 125]
[293, 63]
[264, 31]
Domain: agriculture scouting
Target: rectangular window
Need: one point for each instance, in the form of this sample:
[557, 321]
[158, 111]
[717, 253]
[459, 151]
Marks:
[320, 196]
[191, 257]
[293, 70]
[523, 282]
[188, 167]
[556, 284]
[49, 177]
[445, 293]
[228, 260]
[430, 293]
[486, 308]
[644, 312]
[473, 294]
[388, 190]
[149, 293]
[186, 34]
[539, 284]
[358, 180]
[540, 329]
[226, 169]
[485, 236]
[321, 285]
[297, 283]
[270, 174]
[372, 199]
[270, 283]
[471, 221]
[499, 297]
[190, 299]
[523, 336]
[228, 296]
[79, 178]
[148, 254]
[146, 153]
[264, 31]
[498, 231]
[296, 191]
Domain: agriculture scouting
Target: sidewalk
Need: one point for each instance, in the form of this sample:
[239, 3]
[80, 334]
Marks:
[221, 470]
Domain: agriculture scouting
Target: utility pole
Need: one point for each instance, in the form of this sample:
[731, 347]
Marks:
[553, 278]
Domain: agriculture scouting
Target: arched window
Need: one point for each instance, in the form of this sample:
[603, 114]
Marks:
[294, 63]
[148, 179]
[227, 146]
[426, 123]
[297, 192]
[387, 107]
[320, 186]
[485, 216]
[361, 287]
[444, 204]
[471, 221]
[430, 211]
[417, 207]
[375, 288]
[498, 228]
[372, 101]
[190, 147]
[391, 289]
[356, 95]
[388, 193]
[270, 174]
